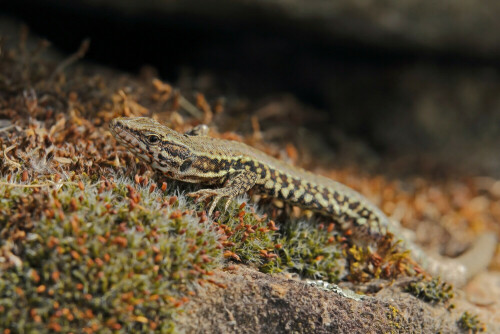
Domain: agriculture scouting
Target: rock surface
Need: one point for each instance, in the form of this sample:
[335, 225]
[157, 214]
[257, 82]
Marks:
[253, 302]
[465, 26]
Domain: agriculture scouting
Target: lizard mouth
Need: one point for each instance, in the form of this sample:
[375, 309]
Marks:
[124, 136]
[120, 133]
[116, 128]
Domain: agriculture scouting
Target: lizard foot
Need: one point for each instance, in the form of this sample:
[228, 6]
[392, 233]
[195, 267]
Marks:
[219, 194]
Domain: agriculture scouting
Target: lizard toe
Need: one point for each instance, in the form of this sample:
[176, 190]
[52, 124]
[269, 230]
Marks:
[214, 204]
[229, 200]
[203, 194]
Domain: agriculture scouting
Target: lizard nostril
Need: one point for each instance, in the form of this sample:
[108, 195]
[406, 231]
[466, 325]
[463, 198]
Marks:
[116, 123]
[113, 124]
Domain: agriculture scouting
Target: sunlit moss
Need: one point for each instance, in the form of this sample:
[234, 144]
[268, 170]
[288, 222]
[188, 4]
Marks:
[298, 246]
[433, 291]
[385, 259]
[311, 249]
[395, 318]
[104, 256]
[470, 323]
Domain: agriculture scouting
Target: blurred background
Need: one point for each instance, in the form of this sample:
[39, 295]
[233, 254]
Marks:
[413, 83]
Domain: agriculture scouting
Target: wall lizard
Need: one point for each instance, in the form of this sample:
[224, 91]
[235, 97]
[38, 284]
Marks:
[234, 168]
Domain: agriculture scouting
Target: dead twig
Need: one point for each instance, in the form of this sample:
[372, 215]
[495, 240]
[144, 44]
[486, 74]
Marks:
[80, 53]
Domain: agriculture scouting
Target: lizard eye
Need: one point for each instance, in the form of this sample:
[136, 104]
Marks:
[153, 139]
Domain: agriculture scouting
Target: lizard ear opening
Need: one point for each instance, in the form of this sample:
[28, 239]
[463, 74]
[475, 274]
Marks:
[199, 130]
[186, 164]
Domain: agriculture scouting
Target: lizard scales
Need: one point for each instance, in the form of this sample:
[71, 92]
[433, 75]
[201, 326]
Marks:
[236, 168]
[203, 159]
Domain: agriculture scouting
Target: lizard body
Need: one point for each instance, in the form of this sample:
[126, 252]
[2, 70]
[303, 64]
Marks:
[236, 168]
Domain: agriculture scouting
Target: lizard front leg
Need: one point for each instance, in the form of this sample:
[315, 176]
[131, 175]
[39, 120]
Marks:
[238, 183]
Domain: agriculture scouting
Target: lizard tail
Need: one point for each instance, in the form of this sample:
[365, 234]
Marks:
[477, 258]
[461, 269]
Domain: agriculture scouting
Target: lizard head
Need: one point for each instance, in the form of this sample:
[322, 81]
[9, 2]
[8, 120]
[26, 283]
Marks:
[163, 148]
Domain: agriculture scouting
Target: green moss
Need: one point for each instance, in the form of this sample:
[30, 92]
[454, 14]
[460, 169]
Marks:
[247, 236]
[395, 318]
[385, 259]
[432, 291]
[470, 323]
[303, 247]
[311, 250]
[114, 256]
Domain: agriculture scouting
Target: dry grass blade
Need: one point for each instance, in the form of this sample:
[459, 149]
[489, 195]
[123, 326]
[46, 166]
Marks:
[190, 108]
[9, 161]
